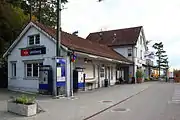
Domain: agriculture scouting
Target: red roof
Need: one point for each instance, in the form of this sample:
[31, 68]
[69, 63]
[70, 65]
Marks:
[125, 36]
[82, 45]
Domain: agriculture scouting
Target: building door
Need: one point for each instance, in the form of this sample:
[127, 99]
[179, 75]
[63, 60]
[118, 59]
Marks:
[126, 74]
[109, 75]
[98, 67]
[75, 81]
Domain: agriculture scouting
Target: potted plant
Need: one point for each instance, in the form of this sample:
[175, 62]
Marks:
[147, 79]
[139, 76]
[22, 105]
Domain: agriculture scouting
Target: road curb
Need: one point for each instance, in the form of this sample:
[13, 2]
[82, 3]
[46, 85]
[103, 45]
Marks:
[103, 110]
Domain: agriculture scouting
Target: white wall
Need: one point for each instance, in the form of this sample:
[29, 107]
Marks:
[20, 82]
[139, 46]
[80, 63]
[124, 51]
[137, 59]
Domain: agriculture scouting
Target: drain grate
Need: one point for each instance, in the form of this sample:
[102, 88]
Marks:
[120, 110]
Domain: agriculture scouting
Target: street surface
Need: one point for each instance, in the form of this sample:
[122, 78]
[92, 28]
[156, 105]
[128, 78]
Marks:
[151, 104]
[146, 101]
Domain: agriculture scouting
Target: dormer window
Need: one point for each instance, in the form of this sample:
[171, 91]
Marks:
[34, 39]
[129, 52]
[141, 40]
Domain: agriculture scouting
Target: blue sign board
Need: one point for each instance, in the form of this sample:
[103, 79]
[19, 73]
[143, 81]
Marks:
[61, 72]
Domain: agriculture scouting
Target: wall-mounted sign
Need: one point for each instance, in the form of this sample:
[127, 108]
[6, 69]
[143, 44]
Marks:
[61, 72]
[61, 61]
[33, 51]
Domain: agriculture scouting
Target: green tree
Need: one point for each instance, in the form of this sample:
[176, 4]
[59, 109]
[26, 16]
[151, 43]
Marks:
[162, 59]
[43, 10]
[11, 21]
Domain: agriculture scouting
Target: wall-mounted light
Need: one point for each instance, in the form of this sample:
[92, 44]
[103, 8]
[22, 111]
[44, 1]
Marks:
[87, 60]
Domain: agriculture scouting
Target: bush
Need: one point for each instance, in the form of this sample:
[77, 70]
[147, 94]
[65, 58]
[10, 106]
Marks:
[147, 79]
[25, 100]
[139, 74]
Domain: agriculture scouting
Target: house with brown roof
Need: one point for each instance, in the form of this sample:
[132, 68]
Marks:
[129, 42]
[83, 64]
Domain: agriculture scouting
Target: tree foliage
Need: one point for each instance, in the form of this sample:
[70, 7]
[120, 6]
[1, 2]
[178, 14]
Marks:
[43, 10]
[16, 13]
[162, 59]
[11, 21]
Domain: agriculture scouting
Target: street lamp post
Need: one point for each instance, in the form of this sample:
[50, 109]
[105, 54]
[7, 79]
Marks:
[30, 10]
[58, 43]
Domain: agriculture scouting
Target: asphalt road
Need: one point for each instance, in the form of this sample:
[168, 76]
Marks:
[155, 103]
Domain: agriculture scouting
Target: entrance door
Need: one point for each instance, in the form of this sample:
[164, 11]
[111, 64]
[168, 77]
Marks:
[109, 75]
[98, 67]
[75, 81]
[126, 74]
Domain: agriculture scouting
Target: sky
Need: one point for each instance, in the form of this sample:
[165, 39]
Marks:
[159, 18]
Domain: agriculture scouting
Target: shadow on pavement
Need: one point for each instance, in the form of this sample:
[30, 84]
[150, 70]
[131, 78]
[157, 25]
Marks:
[7, 115]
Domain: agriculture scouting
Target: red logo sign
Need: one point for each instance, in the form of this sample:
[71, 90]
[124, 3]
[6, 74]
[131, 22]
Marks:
[24, 52]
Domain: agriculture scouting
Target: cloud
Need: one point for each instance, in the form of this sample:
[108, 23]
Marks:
[160, 18]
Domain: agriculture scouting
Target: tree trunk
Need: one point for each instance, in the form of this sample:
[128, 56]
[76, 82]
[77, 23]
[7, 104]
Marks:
[39, 10]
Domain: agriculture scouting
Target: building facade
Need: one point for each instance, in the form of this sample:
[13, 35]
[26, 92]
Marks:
[129, 42]
[32, 62]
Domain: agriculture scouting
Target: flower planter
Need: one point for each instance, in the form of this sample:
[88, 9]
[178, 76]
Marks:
[139, 80]
[22, 109]
[177, 79]
[139, 75]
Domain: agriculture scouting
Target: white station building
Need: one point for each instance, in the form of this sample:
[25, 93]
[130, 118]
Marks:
[83, 64]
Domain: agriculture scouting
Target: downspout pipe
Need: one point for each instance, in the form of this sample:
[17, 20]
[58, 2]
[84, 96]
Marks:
[133, 59]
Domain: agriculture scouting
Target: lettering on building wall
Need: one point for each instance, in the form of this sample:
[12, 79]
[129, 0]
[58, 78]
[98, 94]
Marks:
[33, 51]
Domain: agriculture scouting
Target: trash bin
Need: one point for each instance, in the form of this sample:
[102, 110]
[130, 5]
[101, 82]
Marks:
[105, 82]
[133, 80]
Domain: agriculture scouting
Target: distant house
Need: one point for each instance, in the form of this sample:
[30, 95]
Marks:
[129, 42]
[83, 64]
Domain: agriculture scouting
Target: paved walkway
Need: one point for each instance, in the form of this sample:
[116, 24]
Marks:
[82, 106]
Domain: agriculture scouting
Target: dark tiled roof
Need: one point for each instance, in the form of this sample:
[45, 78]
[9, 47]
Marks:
[82, 45]
[126, 36]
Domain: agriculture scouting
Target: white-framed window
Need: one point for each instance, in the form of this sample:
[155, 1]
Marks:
[112, 72]
[135, 52]
[129, 52]
[141, 53]
[13, 69]
[32, 69]
[89, 71]
[34, 39]
[102, 71]
[141, 39]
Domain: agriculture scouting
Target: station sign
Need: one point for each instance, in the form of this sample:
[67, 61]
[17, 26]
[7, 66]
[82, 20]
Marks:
[33, 51]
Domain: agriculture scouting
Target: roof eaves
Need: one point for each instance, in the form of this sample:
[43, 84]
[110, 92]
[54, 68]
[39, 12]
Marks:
[102, 57]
